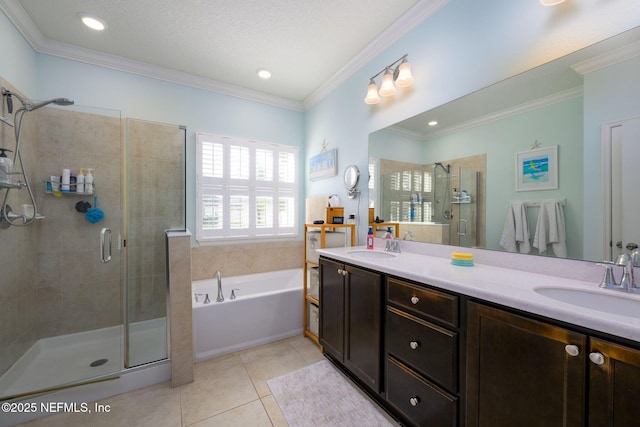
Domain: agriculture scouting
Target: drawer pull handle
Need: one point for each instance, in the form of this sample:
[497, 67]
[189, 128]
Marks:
[414, 401]
[414, 345]
[572, 350]
[596, 358]
[414, 300]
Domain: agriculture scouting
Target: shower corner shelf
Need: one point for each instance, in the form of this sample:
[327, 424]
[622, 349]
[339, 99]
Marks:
[69, 193]
[463, 202]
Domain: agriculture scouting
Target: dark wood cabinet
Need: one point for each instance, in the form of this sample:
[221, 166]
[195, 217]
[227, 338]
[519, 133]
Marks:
[422, 353]
[523, 372]
[351, 320]
[332, 328]
[614, 384]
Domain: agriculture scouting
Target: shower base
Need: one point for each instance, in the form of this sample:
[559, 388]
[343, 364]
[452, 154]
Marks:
[68, 359]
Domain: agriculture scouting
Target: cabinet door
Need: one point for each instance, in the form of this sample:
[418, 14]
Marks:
[520, 371]
[363, 315]
[614, 385]
[332, 308]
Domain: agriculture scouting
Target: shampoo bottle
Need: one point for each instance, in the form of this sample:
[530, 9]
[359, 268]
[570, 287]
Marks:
[88, 182]
[80, 181]
[370, 238]
[65, 180]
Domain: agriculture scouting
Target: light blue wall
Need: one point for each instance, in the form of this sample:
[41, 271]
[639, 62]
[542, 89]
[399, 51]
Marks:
[610, 94]
[18, 64]
[559, 124]
[465, 46]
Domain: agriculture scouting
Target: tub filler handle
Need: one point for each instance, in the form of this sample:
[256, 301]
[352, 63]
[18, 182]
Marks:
[233, 293]
[206, 298]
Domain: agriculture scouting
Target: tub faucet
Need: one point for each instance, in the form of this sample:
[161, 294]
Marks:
[219, 278]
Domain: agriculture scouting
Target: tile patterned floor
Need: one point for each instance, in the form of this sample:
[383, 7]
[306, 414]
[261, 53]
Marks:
[229, 391]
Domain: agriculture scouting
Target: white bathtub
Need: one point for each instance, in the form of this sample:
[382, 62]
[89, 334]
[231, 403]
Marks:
[268, 307]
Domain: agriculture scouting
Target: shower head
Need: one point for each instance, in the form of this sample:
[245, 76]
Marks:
[446, 169]
[29, 106]
[57, 101]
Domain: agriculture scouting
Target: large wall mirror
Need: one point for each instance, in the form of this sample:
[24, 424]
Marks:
[457, 182]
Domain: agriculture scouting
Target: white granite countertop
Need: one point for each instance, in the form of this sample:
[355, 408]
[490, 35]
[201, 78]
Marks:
[508, 287]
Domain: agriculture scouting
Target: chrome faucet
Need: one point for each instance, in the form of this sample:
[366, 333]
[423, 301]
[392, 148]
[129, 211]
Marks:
[629, 261]
[206, 298]
[219, 278]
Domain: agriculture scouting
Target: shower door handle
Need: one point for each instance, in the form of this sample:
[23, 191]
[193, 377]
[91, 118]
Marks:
[105, 242]
[461, 231]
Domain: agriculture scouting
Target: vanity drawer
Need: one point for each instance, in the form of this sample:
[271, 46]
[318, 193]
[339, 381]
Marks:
[424, 301]
[419, 401]
[427, 348]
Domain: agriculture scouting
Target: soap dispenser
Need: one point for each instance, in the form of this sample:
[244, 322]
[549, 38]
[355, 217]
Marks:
[6, 167]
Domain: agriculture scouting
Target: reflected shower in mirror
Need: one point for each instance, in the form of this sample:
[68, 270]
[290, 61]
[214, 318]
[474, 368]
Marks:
[454, 183]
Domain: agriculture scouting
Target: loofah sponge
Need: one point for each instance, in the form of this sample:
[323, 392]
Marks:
[94, 215]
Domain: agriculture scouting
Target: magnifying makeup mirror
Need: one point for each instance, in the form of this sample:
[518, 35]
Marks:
[351, 178]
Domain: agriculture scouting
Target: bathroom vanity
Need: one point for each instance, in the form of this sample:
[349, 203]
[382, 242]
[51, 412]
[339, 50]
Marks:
[442, 345]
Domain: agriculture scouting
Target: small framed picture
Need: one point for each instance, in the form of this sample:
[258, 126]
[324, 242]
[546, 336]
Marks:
[324, 165]
[337, 220]
[537, 169]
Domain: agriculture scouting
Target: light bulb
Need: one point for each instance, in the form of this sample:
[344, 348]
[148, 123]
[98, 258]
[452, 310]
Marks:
[372, 93]
[405, 78]
[386, 87]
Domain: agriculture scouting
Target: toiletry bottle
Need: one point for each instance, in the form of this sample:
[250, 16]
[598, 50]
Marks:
[370, 238]
[65, 180]
[6, 167]
[388, 239]
[73, 183]
[80, 181]
[88, 182]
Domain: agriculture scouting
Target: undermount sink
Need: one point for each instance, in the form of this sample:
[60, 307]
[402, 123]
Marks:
[616, 303]
[370, 254]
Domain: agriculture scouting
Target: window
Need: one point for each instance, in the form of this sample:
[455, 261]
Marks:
[245, 189]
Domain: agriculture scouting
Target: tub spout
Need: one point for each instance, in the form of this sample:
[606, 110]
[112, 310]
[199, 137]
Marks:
[219, 278]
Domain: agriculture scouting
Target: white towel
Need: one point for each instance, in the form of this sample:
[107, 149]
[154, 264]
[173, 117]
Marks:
[515, 235]
[550, 228]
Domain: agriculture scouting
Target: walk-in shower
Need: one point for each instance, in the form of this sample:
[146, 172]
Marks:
[69, 317]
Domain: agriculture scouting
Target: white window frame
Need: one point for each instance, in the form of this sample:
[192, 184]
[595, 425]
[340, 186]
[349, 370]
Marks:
[226, 187]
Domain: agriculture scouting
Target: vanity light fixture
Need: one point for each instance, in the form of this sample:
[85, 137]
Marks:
[92, 21]
[399, 76]
[551, 2]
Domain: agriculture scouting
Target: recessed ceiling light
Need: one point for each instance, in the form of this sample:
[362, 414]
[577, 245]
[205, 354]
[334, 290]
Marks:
[92, 21]
[551, 2]
[432, 123]
[263, 73]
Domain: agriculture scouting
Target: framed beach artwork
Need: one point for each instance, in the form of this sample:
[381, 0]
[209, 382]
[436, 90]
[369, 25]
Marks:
[537, 169]
[324, 165]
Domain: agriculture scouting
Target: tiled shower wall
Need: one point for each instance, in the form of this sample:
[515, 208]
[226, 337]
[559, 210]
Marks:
[18, 299]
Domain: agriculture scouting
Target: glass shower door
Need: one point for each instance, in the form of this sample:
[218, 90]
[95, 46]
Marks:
[465, 208]
[155, 202]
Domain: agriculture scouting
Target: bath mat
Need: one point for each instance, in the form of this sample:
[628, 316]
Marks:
[319, 395]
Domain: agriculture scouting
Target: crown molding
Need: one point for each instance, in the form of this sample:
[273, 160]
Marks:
[607, 59]
[409, 20]
[21, 20]
[420, 11]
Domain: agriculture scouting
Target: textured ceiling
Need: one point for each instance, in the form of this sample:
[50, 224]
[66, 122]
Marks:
[304, 43]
